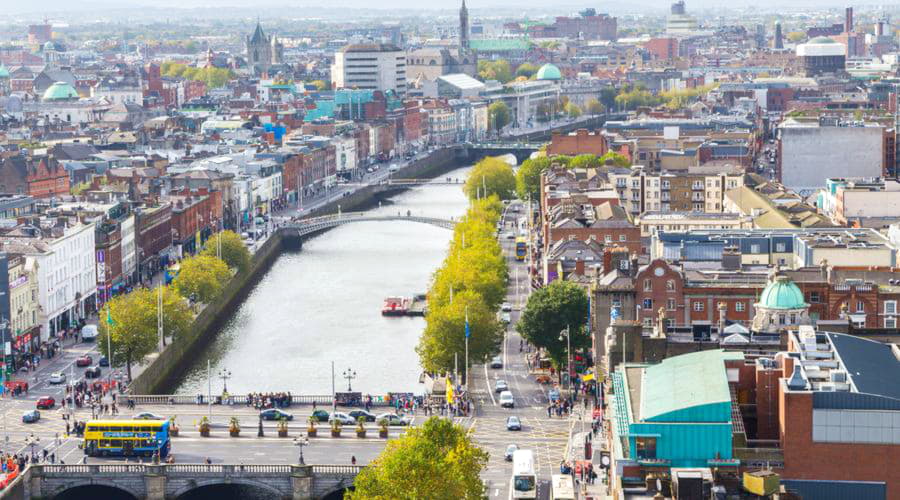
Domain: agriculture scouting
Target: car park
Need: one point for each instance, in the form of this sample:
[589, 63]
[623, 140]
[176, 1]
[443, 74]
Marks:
[393, 419]
[275, 414]
[342, 417]
[513, 423]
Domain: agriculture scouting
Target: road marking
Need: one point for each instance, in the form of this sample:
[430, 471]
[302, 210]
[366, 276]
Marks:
[487, 382]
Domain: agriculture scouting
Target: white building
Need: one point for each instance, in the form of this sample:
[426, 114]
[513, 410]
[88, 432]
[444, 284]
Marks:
[129, 249]
[371, 66]
[344, 152]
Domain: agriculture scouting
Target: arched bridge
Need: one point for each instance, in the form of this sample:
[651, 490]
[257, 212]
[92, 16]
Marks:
[164, 482]
[305, 227]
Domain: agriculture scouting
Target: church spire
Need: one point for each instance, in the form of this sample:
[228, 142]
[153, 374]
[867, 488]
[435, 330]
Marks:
[463, 26]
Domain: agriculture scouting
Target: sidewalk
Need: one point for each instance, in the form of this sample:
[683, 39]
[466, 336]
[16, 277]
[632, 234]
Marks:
[577, 446]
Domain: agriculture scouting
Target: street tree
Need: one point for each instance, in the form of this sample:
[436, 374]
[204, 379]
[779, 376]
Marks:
[549, 311]
[438, 460]
[528, 177]
[584, 161]
[232, 249]
[499, 70]
[499, 115]
[594, 107]
[444, 337]
[617, 159]
[202, 276]
[128, 326]
[491, 176]
[527, 70]
[573, 110]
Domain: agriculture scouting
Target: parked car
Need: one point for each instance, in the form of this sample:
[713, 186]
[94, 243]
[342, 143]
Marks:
[30, 417]
[355, 414]
[84, 361]
[507, 400]
[320, 415]
[497, 362]
[103, 361]
[506, 307]
[89, 333]
[57, 378]
[392, 419]
[275, 414]
[500, 386]
[505, 317]
[146, 415]
[513, 423]
[342, 417]
[45, 403]
[509, 452]
[92, 372]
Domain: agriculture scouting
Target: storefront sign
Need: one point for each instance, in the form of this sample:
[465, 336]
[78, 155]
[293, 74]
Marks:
[21, 280]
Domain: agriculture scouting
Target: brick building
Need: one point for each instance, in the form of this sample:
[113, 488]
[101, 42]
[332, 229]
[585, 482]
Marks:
[577, 143]
[194, 214]
[47, 178]
[153, 229]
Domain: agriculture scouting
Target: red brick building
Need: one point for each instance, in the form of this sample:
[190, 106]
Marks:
[153, 234]
[662, 49]
[194, 214]
[577, 143]
[46, 178]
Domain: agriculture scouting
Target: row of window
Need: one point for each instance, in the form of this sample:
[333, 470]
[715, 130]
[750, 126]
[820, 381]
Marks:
[697, 305]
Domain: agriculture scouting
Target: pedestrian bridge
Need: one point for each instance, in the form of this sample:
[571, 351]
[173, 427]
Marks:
[304, 227]
[165, 482]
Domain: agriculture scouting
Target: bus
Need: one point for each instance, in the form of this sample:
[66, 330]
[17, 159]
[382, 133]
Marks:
[523, 483]
[562, 487]
[126, 438]
[521, 248]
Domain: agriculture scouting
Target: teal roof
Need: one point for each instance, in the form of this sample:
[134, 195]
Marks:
[549, 72]
[687, 388]
[782, 294]
[4, 72]
[822, 39]
[499, 44]
[60, 91]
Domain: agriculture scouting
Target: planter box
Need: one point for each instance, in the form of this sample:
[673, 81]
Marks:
[361, 434]
[234, 434]
[311, 432]
[282, 433]
[335, 434]
[204, 432]
[383, 433]
[173, 431]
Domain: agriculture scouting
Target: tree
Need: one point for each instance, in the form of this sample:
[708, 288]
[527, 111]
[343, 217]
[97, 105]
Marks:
[543, 112]
[499, 115]
[438, 460]
[617, 159]
[444, 337]
[527, 70]
[528, 177]
[796, 36]
[130, 322]
[499, 70]
[549, 311]
[490, 176]
[321, 84]
[585, 161]
[573, 110]
[233, 251]
[202, 276]
[608, 97]
[594, 107]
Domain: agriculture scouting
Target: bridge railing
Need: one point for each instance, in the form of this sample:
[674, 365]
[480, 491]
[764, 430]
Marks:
[92, 469]
[188, 469]
[241, 399]
[337, 469]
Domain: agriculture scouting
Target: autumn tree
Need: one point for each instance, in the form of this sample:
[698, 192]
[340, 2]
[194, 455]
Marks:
[550, 310]
[490, 176]
[203, 277]
[499, 115]
[438, 460]
[232, 250]
[594, 107]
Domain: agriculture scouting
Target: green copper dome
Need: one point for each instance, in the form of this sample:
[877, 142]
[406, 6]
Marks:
[549, 72]
[821, 39]
[782, 294]
[4, 73]
[60, 91]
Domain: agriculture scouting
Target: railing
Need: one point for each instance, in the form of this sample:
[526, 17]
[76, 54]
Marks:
[241, 399]
[313, 224]
[337, 469]
[92, 470]
[227, 469]
[189, 469]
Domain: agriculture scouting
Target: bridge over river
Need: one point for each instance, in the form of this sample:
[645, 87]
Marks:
[312, 225]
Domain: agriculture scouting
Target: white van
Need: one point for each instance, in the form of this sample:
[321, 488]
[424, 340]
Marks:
[89, 333]
[506, 399]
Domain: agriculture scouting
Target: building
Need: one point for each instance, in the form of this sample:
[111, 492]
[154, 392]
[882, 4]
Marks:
[24, 320]
[820, 56]
[860, 202]
[781, 306]
[652, 222]
[431, 63]
[589, 25]
[810, 152]
[370, 66]
[772, 206]
[262, 51]
[577, 143]
[679, 23]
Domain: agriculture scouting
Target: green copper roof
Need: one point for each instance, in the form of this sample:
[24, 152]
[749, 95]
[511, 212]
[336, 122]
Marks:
[499, 44]
[4, 72]
[782, 294]
[549, 72]
[687, 388]
[60, 91]
[822, 39]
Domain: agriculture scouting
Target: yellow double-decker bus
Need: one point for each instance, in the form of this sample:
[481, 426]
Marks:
[521, 248]
[126, 438]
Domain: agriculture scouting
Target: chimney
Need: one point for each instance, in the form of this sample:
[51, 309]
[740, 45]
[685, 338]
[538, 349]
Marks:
[848, 20]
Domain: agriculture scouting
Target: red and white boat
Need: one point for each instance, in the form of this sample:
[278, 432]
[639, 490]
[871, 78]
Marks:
[395, 306]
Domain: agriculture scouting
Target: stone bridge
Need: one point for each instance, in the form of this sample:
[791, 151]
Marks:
[305, 227]
[165, 482]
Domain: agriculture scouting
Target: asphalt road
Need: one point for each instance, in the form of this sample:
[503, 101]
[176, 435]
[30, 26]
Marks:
[547, 437]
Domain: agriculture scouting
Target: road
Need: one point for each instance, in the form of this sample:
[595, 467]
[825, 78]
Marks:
[547, 437]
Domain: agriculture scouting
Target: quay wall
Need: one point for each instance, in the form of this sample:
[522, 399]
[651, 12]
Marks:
[163, 373]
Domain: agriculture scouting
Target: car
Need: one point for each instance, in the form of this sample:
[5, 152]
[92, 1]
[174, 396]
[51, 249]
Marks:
[45, 403]
[57, 378]
[342, 417]
[93, 372]
[500, 386]
[84, 361]
[146, 415]
[275, 414]
[392, 419]
[507, 400]
[103, 361]
[509, 452]
[506, 307]
[505, 317]
[320, 415]
[369, 170]
[513, 423]
[510, 235]
[497, 362]
[89, 333]
[30, 417]
[553, 395]
[355, 414]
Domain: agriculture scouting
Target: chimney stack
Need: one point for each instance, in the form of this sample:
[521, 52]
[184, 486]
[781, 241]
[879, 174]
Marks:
[848, 20]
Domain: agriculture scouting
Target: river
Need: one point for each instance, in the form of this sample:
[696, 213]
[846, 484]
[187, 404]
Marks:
[323, 304]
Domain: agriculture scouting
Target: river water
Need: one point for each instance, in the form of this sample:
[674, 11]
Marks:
[323, 304]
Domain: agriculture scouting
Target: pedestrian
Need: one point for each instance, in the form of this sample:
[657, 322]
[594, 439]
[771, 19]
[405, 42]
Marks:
[549, 411]
[353, 460]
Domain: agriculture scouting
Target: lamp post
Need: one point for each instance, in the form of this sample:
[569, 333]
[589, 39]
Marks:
[349, 375]
[32, 441]
[301, 442]
[224, 374]
[565, 333]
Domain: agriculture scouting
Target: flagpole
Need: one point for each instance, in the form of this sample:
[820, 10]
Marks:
[109, 343]
[467, 348]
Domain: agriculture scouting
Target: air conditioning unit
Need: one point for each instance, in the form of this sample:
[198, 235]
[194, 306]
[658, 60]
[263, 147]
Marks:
[826, 387]
[838, 376]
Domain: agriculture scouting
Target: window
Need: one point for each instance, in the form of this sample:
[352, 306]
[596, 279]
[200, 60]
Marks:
[793, 318]
[670, 323]
[670, 304]
[860, 306]
[754, 248]
[780, 247]
[890, 307]
[698, 305]
[648, 304]
[739, 307]
[623, 264]
[645, 447]
[647, 322]
[648, 285]
[621, 237]
[782, 319]
[814, 297]
[890, 322]
[607, 238]
[670, 285]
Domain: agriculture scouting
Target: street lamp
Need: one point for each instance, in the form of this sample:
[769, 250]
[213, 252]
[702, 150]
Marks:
[224, 374]
[301, 442]
[32, 441]
[349, 375]
[565, 333]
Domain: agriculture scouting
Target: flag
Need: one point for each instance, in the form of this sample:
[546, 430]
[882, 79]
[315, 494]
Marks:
[468, 331]
[109, 320]
[449, 391]
[587, 377]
